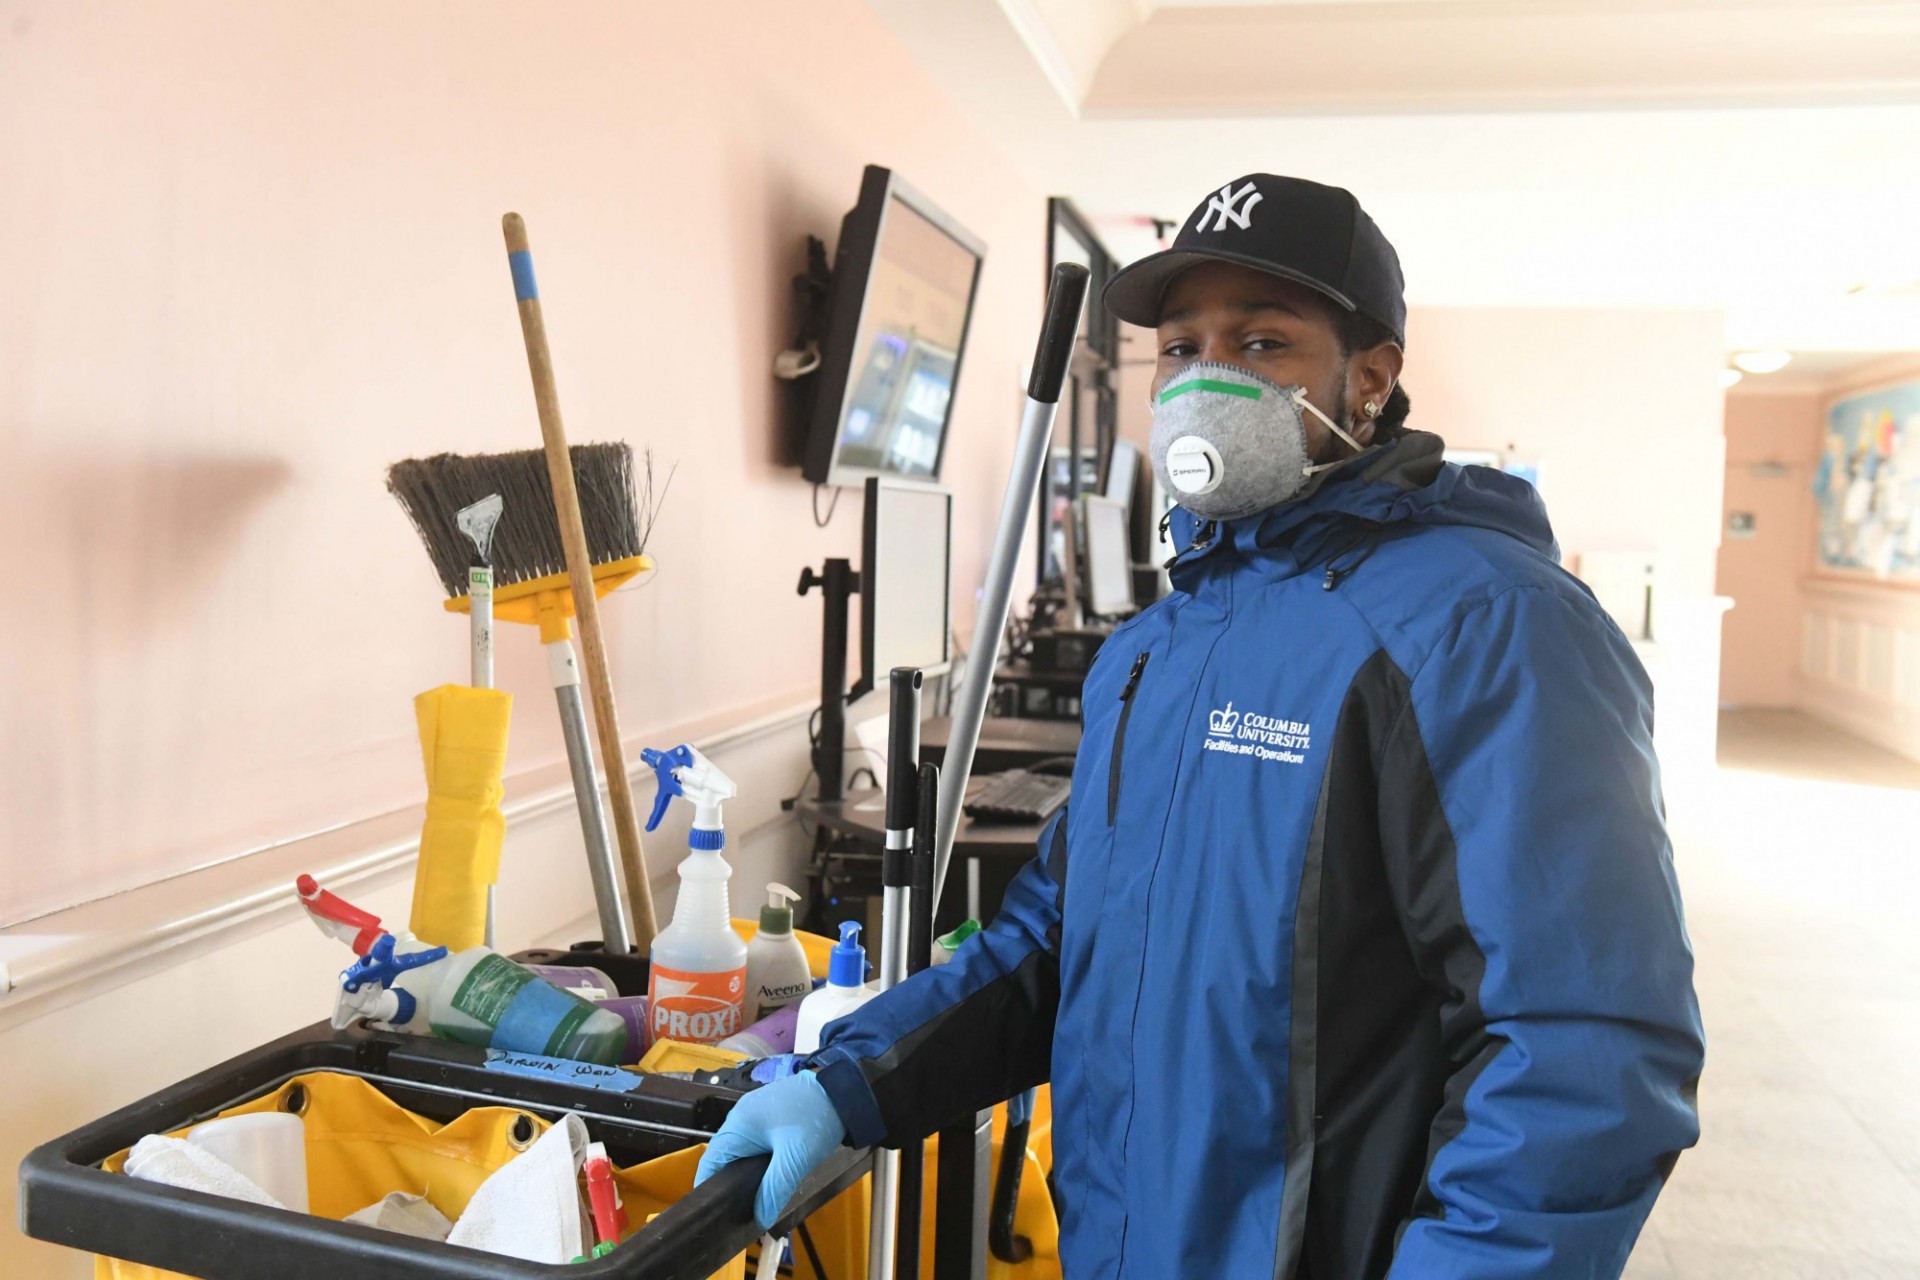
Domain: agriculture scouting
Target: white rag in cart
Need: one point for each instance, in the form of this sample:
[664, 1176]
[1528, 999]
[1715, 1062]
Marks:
[529, 1209]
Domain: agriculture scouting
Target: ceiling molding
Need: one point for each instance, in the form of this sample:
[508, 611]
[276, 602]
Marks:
[1775, 385]
[1885, 371]
[1833, 376]
[1448, 56]
[1371, 10]
[1037, 34]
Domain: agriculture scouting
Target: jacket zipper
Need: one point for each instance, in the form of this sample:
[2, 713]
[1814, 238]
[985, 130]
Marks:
[1120, 736]
[1202, 539]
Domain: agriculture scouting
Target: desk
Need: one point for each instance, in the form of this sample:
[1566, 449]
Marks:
[863, 815]
[1020, 671]
[1005, 742]
[993, 853]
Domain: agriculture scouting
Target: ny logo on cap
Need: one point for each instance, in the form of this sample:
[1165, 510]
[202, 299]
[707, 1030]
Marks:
[1230, 206]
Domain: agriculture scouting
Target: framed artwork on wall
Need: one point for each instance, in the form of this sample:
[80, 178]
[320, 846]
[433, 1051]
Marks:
[1868, 485]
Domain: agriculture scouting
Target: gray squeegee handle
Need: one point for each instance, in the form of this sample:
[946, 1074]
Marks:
[1065, 299]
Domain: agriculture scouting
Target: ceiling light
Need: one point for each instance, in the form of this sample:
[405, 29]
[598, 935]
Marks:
[1729, 376]
[1761, 361]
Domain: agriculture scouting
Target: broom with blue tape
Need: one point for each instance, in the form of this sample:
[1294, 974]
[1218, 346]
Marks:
[570, 530]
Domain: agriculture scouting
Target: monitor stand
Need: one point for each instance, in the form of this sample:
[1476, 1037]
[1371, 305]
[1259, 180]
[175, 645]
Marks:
[838, 583]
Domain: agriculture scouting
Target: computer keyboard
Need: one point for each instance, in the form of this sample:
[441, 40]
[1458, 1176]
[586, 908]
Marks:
[1018, 796]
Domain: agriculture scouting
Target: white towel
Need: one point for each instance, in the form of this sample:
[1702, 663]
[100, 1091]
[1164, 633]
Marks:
[409, 1215]
[176, 1162]
[530, 1208]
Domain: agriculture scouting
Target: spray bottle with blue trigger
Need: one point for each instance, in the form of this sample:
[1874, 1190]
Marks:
[375, 973]
[697, 970]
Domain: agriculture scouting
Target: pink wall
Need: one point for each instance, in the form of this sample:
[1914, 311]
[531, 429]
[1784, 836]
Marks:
[1621, 409]
[253, 255]
[1773, 442]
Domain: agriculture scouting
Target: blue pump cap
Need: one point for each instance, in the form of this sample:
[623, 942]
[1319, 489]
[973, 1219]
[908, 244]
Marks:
[847, 967]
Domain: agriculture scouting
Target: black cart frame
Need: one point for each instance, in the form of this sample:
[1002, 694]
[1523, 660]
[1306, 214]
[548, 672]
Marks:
[67, 1198]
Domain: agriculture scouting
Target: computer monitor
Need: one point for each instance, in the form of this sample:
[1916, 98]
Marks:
[904, 280]
[1109, 559]
[906, 580]
[1123, 470]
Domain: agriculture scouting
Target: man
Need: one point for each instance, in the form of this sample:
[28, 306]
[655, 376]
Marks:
[1358, 952]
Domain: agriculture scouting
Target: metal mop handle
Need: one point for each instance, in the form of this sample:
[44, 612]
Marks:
[1065, 297]
[896, 880]
[609, 897]
[910, 1204]
[477, 520]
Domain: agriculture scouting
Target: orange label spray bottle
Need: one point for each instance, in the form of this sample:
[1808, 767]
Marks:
[697, 980]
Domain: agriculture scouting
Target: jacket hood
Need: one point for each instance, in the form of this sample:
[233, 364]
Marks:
[1407, 482]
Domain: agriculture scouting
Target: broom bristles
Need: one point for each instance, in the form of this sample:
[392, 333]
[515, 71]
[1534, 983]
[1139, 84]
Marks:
[526, 542]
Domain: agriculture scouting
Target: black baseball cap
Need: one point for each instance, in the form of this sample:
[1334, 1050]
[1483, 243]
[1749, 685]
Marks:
[1304, 231]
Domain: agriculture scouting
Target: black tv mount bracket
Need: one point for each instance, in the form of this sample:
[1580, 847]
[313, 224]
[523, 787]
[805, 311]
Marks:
[811, 288]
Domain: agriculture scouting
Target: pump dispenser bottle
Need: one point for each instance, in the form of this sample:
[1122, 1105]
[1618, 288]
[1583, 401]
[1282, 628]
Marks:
[846, 990]
[777, 970]
[697, 971]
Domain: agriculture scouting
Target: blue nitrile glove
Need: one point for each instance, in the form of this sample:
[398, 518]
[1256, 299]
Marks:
[792, 1118]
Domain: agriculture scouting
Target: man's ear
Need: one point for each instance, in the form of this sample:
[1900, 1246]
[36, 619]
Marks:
[1371, 375]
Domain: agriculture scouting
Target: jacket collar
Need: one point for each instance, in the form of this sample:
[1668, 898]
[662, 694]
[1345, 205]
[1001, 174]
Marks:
[1373, 486]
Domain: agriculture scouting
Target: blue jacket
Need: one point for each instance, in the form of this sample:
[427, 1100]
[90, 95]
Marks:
[1358, 952]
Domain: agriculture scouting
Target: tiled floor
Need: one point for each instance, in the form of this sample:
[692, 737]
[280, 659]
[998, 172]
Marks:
[1800, 861]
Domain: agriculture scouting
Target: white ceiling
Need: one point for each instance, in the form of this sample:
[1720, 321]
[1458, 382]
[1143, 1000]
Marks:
[1781, 189]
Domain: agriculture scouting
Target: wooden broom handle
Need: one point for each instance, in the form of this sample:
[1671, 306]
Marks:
[573, 534]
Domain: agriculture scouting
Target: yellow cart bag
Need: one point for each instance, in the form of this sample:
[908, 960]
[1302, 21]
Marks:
[362, 1145]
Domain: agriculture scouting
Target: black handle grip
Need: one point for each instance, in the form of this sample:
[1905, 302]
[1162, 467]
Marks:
[1066, 297]
[903, 747]
[716, 1211]
[1001, 1240]
[926, 828]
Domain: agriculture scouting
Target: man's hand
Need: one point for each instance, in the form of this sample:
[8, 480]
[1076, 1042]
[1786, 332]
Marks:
[791, 1118]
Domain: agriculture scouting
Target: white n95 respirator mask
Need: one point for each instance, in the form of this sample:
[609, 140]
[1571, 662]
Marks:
[1227, 443]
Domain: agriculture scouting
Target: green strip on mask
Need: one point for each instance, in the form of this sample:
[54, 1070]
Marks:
[1211, 384]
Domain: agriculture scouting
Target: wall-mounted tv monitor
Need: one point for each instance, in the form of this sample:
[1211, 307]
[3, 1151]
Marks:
[904, 280]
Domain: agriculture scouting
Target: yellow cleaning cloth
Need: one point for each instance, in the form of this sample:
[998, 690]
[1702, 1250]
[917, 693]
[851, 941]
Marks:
[676, 1055]
[463, 743]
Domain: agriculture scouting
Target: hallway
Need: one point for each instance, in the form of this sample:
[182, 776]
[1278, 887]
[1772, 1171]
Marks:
[1800, 861]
